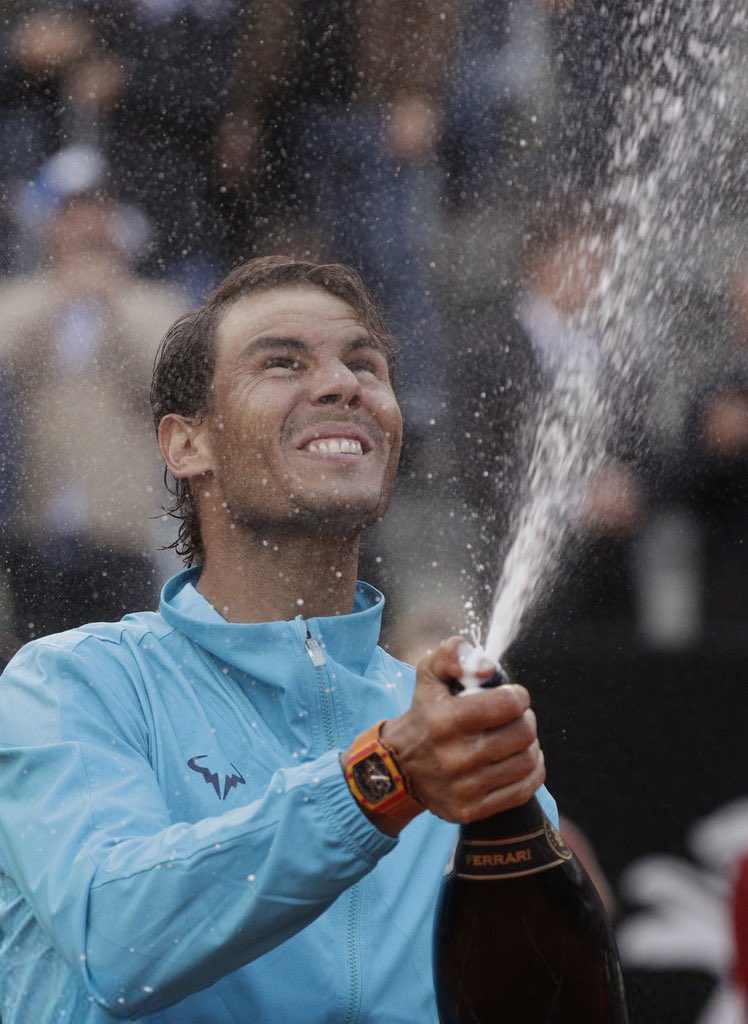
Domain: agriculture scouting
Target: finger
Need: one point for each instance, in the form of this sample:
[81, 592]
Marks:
[449, 662]
[515, 794]
[488, 747]
[498, 775]
[503, 798]
[489, 709]
[455, 657]
[444, 664]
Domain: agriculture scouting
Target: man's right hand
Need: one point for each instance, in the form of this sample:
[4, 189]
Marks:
[466, 757]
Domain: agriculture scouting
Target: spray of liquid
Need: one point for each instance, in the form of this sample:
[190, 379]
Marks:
[670, 193]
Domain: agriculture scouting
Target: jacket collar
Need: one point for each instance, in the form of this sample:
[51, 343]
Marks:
[349, 640]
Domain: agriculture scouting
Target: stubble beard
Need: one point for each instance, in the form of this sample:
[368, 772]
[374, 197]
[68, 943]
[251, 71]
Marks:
[306, 511]
[313, 515]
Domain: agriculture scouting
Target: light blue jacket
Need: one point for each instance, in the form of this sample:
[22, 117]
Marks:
[178, 841]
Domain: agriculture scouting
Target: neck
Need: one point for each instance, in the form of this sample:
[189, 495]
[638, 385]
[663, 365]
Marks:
[278, 576]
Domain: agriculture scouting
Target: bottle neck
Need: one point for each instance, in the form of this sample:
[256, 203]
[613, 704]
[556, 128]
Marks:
[517, 821]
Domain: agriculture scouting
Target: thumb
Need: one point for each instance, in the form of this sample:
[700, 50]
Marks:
[453, 660]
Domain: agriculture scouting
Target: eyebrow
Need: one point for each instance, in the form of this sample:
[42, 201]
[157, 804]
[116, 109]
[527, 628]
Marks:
[275, 341]
[367, 341]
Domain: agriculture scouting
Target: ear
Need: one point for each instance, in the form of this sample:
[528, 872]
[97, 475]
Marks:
[185, 446]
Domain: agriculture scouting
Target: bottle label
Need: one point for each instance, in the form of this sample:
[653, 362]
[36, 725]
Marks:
[511, 858]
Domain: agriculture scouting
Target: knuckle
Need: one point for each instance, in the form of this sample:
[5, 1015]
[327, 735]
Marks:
[452, 762]
[523, 694]
[462, 712]
[527, 761]
[508, 705]
[527, 728]
[462, 814]
[465, 789]
[527, 787]
[444, 658]
[519, 696]
[440, 728]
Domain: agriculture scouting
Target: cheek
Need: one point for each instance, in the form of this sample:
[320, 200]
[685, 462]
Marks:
[393, 423]
[239, 447]
[388, 413]
[250, 429]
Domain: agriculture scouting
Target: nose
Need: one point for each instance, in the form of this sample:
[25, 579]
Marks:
[336, 384]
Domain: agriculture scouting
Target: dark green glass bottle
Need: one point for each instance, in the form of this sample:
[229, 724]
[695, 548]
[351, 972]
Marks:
[520, 933]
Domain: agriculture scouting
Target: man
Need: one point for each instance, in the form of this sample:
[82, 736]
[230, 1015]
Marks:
[190, 824]
[76, 351]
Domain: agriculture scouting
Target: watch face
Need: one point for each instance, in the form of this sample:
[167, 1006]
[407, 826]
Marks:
[373, 778]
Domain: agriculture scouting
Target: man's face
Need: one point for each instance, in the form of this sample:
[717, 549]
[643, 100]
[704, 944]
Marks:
[304, 427]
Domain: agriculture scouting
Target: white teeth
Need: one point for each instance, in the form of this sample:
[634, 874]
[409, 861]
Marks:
[334, 446]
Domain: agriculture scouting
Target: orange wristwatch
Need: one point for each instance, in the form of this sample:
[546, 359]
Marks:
[376, 780]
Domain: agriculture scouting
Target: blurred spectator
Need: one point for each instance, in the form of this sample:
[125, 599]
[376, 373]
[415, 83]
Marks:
[144, 83]
[420, 627]
[526, 108]
[500, 112]
[71, 171]
[77, 348]
[712, 476]
[178, 58]
[596, 591]
[545, 337]
[48, 52]
[336, 114]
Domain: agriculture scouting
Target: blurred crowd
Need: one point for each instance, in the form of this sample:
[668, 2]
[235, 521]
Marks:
[456, 154]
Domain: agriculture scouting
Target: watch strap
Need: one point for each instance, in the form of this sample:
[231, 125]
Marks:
[398, 806]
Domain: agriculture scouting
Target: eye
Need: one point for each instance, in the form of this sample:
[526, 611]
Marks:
[281, 363]
[369, 364]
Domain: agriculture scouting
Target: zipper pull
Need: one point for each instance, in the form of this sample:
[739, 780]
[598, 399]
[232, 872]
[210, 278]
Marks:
[314, 651]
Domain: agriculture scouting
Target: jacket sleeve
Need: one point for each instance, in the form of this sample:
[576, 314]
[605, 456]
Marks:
[150, 910]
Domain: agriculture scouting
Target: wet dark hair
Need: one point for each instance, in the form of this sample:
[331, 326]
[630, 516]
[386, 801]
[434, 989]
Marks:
[185, 362]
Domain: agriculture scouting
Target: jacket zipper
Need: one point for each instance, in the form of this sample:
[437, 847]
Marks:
[314, 651]
[354, 958]
[318, 660]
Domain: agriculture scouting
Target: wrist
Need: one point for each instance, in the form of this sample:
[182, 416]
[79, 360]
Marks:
[377, 782]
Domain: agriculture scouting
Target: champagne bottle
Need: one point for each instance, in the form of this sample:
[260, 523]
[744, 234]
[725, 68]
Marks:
[520, 933]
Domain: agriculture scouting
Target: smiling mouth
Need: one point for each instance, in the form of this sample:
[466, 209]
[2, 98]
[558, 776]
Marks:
[334, 446]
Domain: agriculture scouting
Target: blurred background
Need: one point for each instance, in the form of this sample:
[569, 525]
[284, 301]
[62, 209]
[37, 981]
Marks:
[493, 167]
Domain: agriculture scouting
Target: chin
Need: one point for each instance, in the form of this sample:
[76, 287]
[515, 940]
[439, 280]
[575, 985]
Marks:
[337, 521]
